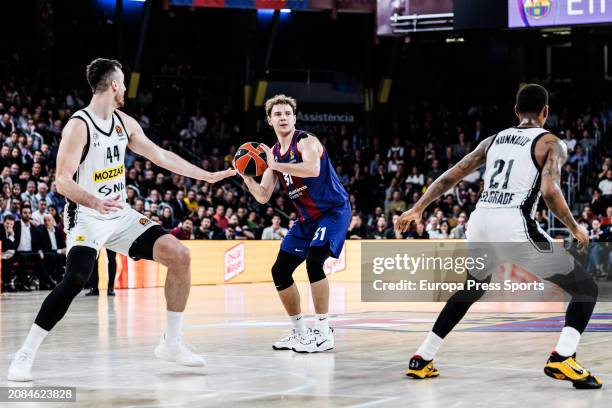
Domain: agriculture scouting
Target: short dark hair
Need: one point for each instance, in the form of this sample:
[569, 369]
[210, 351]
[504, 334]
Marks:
[98, 72]
[9, 217]
[531, 98]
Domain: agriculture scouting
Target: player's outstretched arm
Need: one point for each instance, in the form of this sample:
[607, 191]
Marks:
[555, 153]
[69, 154]
[446, 181]
[310, 149]
[261, 191]
[142, 145]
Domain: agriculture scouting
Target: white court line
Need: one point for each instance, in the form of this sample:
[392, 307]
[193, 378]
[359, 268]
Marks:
[174, 404]
[372, 403]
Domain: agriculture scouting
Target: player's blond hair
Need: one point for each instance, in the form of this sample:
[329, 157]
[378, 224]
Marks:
[280, 100]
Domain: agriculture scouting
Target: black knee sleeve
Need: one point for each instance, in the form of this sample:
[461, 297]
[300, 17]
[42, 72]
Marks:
[283, 268]
[142, 247]
[314, 263]
[456, 307]
[584, 293]
[79, 265]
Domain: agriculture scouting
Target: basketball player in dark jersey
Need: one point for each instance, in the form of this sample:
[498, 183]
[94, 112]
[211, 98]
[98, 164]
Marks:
[301, 163]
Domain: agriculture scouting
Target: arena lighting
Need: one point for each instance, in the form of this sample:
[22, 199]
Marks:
[113, 3]
[271, 11]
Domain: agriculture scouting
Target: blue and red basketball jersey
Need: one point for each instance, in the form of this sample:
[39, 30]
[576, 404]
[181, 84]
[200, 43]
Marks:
[311, 196]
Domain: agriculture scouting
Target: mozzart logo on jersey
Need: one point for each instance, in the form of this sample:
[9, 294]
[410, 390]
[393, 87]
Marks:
[108, 174]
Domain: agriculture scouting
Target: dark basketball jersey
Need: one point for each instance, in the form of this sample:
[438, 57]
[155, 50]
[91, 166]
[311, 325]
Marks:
[312, 196]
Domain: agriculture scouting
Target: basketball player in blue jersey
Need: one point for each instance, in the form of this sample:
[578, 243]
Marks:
[302, 165]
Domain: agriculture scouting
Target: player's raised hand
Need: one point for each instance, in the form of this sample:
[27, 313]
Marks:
[269, 156]
[219, 175]
[406, 218]
[109, 205]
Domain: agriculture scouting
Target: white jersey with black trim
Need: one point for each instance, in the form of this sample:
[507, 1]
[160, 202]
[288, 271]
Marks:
[512, 174]
[102, 168]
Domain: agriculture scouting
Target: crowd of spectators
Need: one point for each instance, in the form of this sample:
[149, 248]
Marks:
[383, 175]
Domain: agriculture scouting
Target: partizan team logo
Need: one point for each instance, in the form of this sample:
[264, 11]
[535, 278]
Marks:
[537, 9]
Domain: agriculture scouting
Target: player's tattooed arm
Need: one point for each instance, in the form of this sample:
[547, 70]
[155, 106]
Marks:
[555, 152]
[445, 182]
[310, 148]
[471, 162]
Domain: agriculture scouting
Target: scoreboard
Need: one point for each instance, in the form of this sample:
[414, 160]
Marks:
[546, 13]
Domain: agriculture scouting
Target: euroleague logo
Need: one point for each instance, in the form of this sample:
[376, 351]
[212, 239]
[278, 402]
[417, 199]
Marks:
[144, 221]
[537, 9]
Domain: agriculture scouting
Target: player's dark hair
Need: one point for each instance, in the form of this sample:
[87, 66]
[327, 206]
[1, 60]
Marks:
[531, 98]
[98, 73]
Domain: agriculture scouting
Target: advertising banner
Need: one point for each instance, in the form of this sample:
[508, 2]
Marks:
[543, 13]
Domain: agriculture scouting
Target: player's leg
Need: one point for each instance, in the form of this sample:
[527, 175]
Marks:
[558, 266]
[79, 264]
[562, 363]
[328, 240]
[421, 364]
[140, 238]
[94, 280]
[282, 274]
[321, 338]
[111, 257]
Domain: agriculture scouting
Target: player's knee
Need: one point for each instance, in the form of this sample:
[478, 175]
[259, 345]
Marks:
[473, 294]
[587, 290]
[181, 256]
[314, 263]
[281, 275]
[79, 264]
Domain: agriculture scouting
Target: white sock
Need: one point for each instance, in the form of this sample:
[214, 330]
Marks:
[568, 341]
[298, 323]
[174, 324]
[35, 337]
[430, 346]
[322, 323]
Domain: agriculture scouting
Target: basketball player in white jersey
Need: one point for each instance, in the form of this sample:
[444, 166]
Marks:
[91, 175]
[522, 163]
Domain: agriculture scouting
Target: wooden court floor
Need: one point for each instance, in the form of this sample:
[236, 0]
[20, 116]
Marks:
[104, 347]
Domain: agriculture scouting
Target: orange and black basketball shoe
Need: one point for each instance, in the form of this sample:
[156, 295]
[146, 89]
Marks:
[570, 369]
[420, 369]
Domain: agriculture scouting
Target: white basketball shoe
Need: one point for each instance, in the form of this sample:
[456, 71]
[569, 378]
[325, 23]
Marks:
[290, 340]
[21, 366]
[315, 342]
[178, 353]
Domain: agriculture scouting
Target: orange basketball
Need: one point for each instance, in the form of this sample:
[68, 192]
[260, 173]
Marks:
[250, 160]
